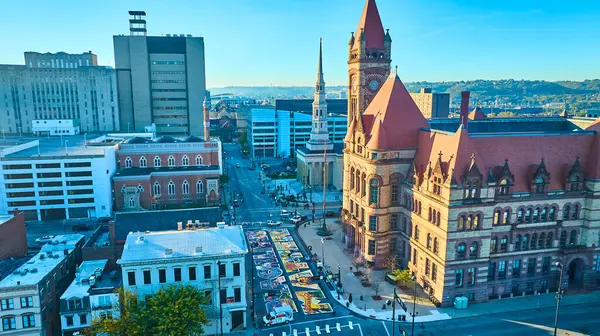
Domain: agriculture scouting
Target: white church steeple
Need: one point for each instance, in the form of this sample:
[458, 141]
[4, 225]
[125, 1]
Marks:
[319, 135]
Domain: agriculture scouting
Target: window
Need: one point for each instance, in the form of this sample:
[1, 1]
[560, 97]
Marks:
[528, 215]
[237, 294]
[544, 285]
[460, 251]
[525, 244]
[185, 188]
[131, 278]
[573, 238]
[414, 258]
[143, 162]
[156, 188]
[198, 160]
[207, 271]
[156, 161]
[544, 214]
[352, 178]
[373, 191]
[147, 277]
[199, 187]
[576, 211]
[236, 269]
[171, 161]
[9, 323]
[27, 302]
[82, 319]
[222, 270]
[436, 246]
[531, 266]
[471, 275]
[516, 268]
[28, 321]
[427, 266]
[502, 270]
[459, 278]
[536, 215]
[546, 265]
[506, 217]
[493, 245]
[549, 240]
[7, 304]
[504, 187]
[563, 238]
[533, 241]
[171, 188]
[128, 162]
[429, 241]
[461, 223]
[566, 212]
[491, 271]
[69, 320]
[223, 296]
[416, 232]
[177, 274]
[552, 214]
[504, 244]
[192, 273]
[371, 247]
[520, 216]
[185, 161]
[131, 202]
[162, 275]
[518, 243]
[497, 217]
[473, 250]
[208, 294]
[541, 240]
[373, 223]
[394, 192]
[394, 222]
[393, 245]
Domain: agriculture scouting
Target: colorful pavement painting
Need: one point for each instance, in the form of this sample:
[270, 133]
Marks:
[315, 299]
[283, 298]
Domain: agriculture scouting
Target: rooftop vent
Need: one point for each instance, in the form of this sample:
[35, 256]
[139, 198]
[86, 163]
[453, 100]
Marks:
[198, 249]
[168, 251]
[140, 239]
[42, 256]
[34, 270]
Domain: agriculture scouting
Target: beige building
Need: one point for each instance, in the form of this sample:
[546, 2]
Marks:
[432, 105]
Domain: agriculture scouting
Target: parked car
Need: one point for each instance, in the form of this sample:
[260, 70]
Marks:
[273, 223]
[82, 227]
[44, 239]
[296, 220]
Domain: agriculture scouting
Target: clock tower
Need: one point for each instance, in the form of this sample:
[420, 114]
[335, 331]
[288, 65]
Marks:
[369, 58]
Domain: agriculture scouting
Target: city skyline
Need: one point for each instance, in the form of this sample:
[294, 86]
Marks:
[437, 41]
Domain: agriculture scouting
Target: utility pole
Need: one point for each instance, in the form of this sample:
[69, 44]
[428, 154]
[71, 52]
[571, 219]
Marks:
[558, 295]
[414, 278]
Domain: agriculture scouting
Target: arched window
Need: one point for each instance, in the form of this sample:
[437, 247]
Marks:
[573, 238]
[131, 202]
[497, 217]
[364, 184]
[156, 188]
[461, 250]
[461, 223]
[473, 250]
[528, 215]
[520, 215]
[541, 240]
[171, 188]
[430, 214]
[567, 212]
[536, 215]
[549, 240]
[199, 187]
[576, 211]
[171, 161]
[434, 219]
[533, 241]
[493, 245]
[525, 242]
[416, 232]
[544, 214]
[128, 162]
[185, 161]
[563, 238]
[156, 161]
[351, 178]
[439, 219]
[504, 244]
[476, 220]
[185, 188]
[470, 222]
[504, 187]
[429, 241]
[357, 181]
[552, 213]
[373, 191]
[518, 243]
[143, 162]
[506, 217]
[436, 246]
[198, 160]
[420, 206]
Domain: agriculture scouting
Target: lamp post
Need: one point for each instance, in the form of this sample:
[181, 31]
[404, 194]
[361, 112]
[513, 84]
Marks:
[558, 295]
[414, 278]
[393, 304]
[220, 299]
[252, 279]
[339, 276]
[323, 253]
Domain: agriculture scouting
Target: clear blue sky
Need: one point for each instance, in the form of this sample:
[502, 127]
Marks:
[263, 42]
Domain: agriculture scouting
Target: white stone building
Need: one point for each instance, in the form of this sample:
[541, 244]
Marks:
[209, 259]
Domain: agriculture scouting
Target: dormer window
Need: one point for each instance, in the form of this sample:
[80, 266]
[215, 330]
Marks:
[574, 181]
[540, 185]
[504, 189]
[472, 190]
[540, 179]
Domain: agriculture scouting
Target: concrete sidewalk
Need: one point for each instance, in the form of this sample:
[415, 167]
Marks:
[334, 254]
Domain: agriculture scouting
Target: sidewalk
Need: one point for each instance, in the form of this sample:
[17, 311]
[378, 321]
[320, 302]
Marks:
[335, 255]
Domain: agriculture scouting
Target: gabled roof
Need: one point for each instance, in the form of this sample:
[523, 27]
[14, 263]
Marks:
[370, 25]
[477, 114]
[397, 112]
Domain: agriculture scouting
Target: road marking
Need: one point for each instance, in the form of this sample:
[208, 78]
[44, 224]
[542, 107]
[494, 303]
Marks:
[337, 326]
[318, 330]
[295, 332]
[386, 329]
[282, 334]
[272, 334]
[307, 332]
[350, 325]
[360, 329]
[327, 328]
[315, 321]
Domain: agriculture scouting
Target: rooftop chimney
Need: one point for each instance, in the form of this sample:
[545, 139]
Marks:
[464, 108]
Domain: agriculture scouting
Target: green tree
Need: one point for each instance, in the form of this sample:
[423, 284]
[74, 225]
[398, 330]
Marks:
[173, 310]
[404, 276]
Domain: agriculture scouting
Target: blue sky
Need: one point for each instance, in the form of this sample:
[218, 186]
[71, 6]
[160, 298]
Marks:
[275, 42]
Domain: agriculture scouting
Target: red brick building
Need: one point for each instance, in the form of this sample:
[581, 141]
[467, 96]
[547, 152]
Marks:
[167, 173]
[13, 235]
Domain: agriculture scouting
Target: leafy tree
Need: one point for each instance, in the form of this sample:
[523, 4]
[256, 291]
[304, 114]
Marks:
[173, 310]
[404, 276]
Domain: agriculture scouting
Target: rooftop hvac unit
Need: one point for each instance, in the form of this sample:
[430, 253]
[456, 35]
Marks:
[168, 251]
[34, 270]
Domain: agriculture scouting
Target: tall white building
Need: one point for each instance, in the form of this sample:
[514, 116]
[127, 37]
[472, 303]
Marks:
[209, 259]
[56, 178]
[58, 86]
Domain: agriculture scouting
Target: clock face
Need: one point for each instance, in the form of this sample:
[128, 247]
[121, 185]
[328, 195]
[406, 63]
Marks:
[373, 85]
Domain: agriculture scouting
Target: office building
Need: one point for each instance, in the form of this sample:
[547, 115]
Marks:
[432, 105]
[160, 80]
[477, 208]
[213, 260]
[56, 178]
[57, 87]
[29, 295]
[92, 295]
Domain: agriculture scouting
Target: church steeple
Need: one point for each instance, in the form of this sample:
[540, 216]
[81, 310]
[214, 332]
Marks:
[319, 135]
[320, 84]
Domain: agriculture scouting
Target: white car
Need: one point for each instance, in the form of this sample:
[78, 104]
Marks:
[296, 219]
[44, 239]
[273, 223]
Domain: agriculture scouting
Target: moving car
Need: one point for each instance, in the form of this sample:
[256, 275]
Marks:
[238, 165]
[271, 222]
[278, 315]
[296, 220]
[44, 239]
[82, 227]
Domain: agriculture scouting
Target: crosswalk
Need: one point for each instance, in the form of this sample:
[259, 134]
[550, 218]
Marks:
[320, 330]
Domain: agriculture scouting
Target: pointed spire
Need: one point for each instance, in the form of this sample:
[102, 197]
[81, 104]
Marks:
[370, 26]
[320, 69]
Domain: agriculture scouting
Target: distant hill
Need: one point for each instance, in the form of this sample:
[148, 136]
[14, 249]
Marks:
[577, 95]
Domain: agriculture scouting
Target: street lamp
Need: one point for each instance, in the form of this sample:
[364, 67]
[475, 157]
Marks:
[414, 278]
[558, 295]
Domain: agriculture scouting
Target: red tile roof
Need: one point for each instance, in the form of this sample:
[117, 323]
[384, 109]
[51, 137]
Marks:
[370, 25]
[477, 114]
[398, 114]
[523, 152]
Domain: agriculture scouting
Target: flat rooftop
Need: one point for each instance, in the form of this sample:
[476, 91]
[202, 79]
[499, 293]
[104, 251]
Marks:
[54, 146]
[165, 245]
[137, 171]
[36, 268]
[81, 285]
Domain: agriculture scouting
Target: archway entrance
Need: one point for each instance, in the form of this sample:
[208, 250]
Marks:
[575, 273]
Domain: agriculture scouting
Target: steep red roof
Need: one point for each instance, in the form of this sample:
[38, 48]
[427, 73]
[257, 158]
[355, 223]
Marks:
[477, 114]
[379, 139]
[370, 25]
[396, 110]
[523, 152]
